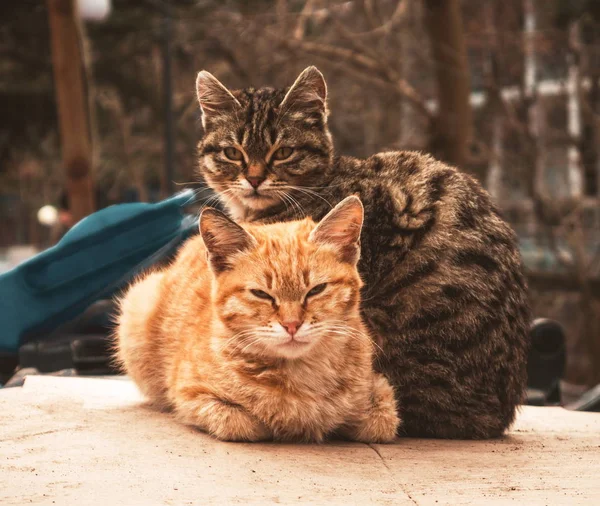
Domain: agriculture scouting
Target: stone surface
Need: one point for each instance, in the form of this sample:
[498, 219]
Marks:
[92, 441]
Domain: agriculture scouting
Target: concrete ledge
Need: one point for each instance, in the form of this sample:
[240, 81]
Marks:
[91, 441]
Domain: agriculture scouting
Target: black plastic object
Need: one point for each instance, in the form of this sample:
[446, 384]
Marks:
[46, 356]
[589, 401]
[546, 363]
[91, 354]
[82, 344]
[86, 353]
[8, 364]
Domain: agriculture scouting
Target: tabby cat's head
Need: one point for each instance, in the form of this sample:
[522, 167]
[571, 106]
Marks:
[285, 289]
[260, 144]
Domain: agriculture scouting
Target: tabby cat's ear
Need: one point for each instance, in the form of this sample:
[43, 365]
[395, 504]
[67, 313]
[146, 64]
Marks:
[223, 239]
[341, 228]
[308, 93]
[213, 97]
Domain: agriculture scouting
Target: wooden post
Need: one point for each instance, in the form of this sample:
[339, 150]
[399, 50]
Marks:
[167, 177]
[443, 22]
[73, 104]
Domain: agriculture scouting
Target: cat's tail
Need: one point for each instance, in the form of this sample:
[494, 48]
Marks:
[137, 339]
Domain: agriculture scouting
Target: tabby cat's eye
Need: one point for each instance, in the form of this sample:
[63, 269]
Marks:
[316, 290]
[233, 154]
[283, 153]
[261, 295]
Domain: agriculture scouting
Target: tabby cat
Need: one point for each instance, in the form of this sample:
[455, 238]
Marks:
[444, 296]
[255, 333]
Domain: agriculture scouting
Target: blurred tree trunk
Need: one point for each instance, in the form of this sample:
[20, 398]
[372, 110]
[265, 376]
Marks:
[580, 238]
[73, 104]
[413, 132]
[589, 56]
[137, 170]
[494, 106]
[454, 123]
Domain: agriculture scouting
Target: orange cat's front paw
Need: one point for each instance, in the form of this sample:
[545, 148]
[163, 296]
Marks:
[236, 424]
[381, 423]
[224, 420]
[248, 433]
[379, 427]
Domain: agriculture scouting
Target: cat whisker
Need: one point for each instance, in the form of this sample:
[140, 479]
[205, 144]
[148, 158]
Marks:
[181, 183]
[204, 190]
[295, 203]
[286, 198]
[209, 203]
[252, 342]
[351, 332]
[282, 198]
[309, 193]
[321, 187]
[198, 194]
[357, 337]
[217, 198]
[237, 338]
[231, 197]
[313, 194]
[366, 299]
[287, 207]
[201, 190]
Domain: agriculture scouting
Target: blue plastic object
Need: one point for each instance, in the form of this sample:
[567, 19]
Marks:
[97, 257]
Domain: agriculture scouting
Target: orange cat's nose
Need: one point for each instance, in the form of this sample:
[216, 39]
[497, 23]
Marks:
[292, 326]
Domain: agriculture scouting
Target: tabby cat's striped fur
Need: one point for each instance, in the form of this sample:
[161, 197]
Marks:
[444, 292]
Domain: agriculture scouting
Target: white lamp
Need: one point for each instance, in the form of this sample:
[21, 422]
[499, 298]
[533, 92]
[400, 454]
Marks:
[94, 10]
[48, 216]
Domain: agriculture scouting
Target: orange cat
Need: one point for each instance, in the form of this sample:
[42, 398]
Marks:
[254, 333]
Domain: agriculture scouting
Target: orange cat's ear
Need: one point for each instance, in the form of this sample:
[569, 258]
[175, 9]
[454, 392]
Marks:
[341, 228]
[213, 97]
[223, 239]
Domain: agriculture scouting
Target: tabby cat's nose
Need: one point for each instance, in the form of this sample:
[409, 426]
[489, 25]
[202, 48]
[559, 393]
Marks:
[255, 181]
[292, 327]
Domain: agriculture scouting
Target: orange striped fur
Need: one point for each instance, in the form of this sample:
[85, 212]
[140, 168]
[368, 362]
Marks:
[201, 336]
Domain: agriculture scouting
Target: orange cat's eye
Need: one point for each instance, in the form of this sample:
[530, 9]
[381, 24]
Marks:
[316, 290]
[233, 154]
[261, 295]
[283, 153]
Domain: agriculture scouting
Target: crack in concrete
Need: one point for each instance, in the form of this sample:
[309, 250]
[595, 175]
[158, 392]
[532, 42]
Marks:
[402, 487]
[24, 437]
[29, 436]
[408, 495]
[376, 450]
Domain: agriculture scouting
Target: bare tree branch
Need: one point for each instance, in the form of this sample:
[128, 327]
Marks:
[388, 25]
[352, 58]
[370, 11]
[302, 19]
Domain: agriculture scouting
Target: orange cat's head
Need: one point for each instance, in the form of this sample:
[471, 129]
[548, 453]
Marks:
[285, 289]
